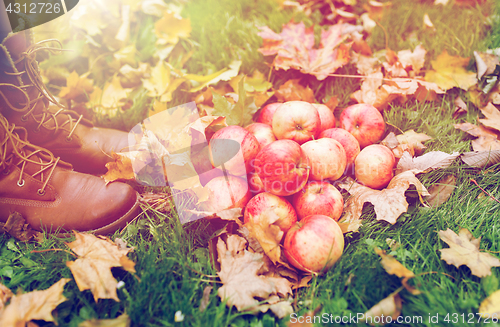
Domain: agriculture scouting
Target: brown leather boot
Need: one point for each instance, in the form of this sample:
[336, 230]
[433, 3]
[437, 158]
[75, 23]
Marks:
[26, 102]
[51, 196]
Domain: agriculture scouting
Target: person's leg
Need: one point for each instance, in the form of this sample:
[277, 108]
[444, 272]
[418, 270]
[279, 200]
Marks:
[5, 28]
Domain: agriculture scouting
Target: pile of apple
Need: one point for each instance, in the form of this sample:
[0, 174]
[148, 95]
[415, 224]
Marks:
[289, 157]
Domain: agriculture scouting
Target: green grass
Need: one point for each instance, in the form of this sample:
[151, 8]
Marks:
[172, 261]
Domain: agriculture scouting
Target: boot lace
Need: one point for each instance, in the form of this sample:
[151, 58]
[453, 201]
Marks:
[33, 73]
[27, 153]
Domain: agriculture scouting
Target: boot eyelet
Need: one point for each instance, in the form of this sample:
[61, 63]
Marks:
[40, 192]
[24, 119]
[36, 130]
[69, 139]
[6, 172]
[21, 184]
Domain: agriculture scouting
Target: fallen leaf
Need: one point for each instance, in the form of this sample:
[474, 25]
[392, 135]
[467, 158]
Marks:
[292, 90]
[464, 250]
[485, 63]
[414, 140]
[389, 307]
[153, 7]
[281, 309]
[227, 214]
[490, 306]
[393, 266]
[162, 83]
[5, 295]
[16, 227]
[427, 23]
[240, 277]
[460, 107]
[205, 300]
[492, 116]
[427, 162]
[36, 305]
[412, 60]
[481, 159]
[131, 77]
[389, 203]
[294, 48]
[113, 94]
[268, 235]
[224, 74]
[449, 71]
[486, 139]
[171, 27]
[120, 321]
[92, 268]
[76, 86]
[441, 191]
[119, 169]
[239, 113]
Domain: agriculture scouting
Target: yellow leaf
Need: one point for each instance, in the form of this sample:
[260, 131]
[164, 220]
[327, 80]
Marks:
[490, 305]
[92, 269]
[449, 71]
[267, 234]
[225, 74]
[76, 86]
[171, 27]
[464, 250]
[161, 83]
[393, 266]
[113, 94]
[492, 116]
[121, 321]
[36, 305]
[120, 169]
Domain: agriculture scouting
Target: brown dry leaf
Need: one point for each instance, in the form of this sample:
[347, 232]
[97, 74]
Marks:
[205, 299]
[240, 277]
[36, 305]
[121, 321]
[485, 63]
[131, 77]
[427, 162]
[292, 90]
[492, 116]
[76, 86]
[294, 48]
[414, 60]
[449, 71]
[486, 139]
[390, 306]
[389, 203]
[481, 159]
[441, 191]
[92, 269]
[120, 169]
[227, 214]
[490, 305]
[5, 295]
[268, 235]
[414, 140]
[16, 227]
[460, 107]
[393, 266]
[464, 250]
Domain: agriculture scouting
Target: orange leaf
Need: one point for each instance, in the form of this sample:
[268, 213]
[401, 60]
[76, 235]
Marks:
[120, 169]
[292, 90]
[449, 71]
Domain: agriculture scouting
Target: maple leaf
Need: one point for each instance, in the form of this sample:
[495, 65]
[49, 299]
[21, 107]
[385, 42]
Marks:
[441, 191]
[449, 71]
[120, 321]
[486, 139]
[464, 250]
[16, 227]
[224, 74]
[294, 49]
[292, 90]
[239, 274]
[239, 113]
[485, 63]
[161, 83]
[256, 87]
[36, 305]
[389, 203]
[131, 77]
[492, 116]
[113, 95]
[76, 86]
[92, 269]
[490, 305]
[171, 27]
[119, 169]
[427, 162]
[268, 235]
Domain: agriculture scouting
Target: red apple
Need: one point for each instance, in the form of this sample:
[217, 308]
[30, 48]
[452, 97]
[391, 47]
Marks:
[348, 141]
[283, 167]
[226, 193]
[255, 184]
[364, 122]
[318, 198]
[222, 152]
[259, 207]
[262, 132]
[267, 113]
[296, 120]
[374, 166]
[327, 159]
[314, 243]
[325, 116]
